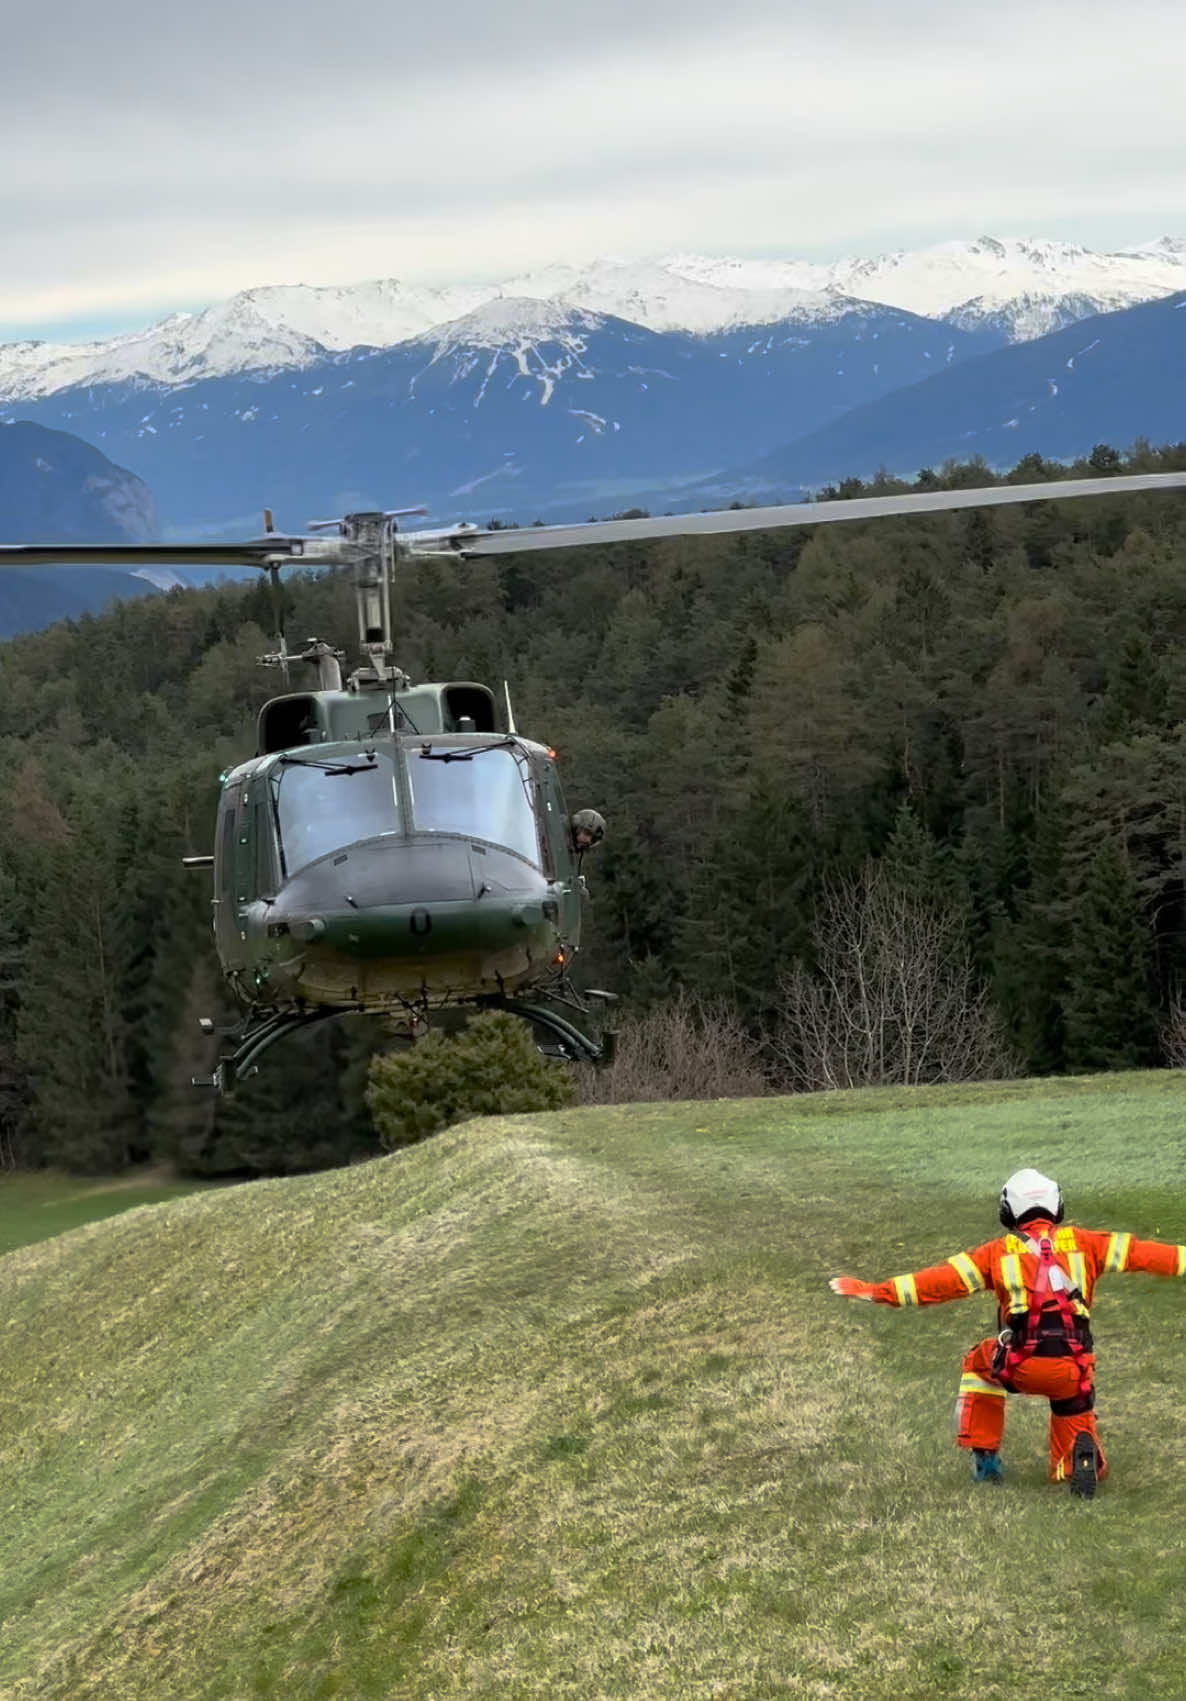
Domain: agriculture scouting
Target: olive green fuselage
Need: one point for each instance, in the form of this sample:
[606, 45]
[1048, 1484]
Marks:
[406, 871]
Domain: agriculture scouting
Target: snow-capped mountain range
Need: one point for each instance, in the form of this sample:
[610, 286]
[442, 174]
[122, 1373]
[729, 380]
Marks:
[519, 404]
[1014, 289]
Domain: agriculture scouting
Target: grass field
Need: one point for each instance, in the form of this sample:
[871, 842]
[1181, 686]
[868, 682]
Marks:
[36, 1207]
[562, 1407]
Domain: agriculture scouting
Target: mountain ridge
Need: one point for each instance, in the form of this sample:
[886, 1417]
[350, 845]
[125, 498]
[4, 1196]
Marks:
[1114, 381]
[1014, 288]
[518, 404]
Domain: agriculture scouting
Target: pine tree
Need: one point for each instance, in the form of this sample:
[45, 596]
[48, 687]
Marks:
[914, 862]
[1029, 963]
[1109, 1002]
[634, 913]
[15, 1146]
[73, 1032]
[1136, 691]
[750, 908]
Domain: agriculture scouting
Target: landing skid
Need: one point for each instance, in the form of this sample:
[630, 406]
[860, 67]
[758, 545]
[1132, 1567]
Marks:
[564, 1038]
[254, 1040]
[567, 1039]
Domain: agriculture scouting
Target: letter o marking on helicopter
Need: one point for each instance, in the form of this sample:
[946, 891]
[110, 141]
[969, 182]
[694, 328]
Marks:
[420, 921]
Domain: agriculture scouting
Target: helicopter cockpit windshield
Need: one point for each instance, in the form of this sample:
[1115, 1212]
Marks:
[315, 816]
[322, 806]
[479, 794]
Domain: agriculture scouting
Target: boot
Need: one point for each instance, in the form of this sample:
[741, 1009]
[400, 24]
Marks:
[986, 1466]
[1084, 1467]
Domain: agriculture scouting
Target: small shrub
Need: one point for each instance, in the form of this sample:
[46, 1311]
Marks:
[494, 1068]
[683, 1049]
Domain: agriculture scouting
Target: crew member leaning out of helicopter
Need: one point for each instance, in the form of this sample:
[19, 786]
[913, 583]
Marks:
[1043, 1277]
[588, 829]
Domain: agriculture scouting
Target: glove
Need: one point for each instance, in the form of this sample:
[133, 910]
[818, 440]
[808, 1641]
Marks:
[849, 1288]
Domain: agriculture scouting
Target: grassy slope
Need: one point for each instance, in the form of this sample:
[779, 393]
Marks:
[37, 1206]
[561, 1407]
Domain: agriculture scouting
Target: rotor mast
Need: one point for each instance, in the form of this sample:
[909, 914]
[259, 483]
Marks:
[372, 591]
[374, 551]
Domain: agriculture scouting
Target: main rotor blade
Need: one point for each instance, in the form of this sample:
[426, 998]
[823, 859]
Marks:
[467, 539]
[255, 552]
[510, 541]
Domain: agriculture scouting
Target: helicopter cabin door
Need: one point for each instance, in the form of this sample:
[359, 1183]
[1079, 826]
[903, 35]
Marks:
[243, 868]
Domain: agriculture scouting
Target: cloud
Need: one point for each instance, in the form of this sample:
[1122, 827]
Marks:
[173, 157]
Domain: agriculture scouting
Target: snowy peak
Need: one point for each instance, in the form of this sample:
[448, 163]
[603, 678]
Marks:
[1023, 286]
[1023, 318]
[376, 314]
[542, 341]
[1164, 247]
[259, 330]
[660, 296]
[512, 321]
[236, 336]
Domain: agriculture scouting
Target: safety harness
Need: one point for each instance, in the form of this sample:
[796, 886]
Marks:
[1050, 1284]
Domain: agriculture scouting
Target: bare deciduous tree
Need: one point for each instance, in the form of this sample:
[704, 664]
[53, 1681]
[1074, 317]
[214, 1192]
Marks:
[684, 1049]
[1172, 1032]
[894, 999]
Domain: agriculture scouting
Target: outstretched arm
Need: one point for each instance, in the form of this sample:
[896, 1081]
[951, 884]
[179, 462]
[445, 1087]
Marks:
[963, 1273]
[1123, 1252]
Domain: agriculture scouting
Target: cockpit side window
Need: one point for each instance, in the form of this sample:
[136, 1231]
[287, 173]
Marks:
[262, 837]
[244, 851]
[225, 848]
[555, 819]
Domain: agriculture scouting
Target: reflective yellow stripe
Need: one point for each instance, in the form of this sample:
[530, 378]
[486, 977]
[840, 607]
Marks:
[1011, 1276]
[967, 1272]
[970, 1383]
[1182, 1260]
[1118, 1247]
[1078, 1271]
[905, 1289]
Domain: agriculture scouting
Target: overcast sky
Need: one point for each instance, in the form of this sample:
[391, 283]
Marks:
[158, 157]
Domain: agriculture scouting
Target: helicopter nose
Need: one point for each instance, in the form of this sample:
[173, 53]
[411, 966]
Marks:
[423, 897]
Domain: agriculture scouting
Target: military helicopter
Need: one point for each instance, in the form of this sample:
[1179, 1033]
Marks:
[403, 848]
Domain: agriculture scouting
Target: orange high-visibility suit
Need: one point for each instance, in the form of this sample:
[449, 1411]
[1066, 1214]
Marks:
[1008, 1266]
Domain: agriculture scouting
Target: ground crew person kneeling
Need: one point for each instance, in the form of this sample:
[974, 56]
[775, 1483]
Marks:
[1043, 1276]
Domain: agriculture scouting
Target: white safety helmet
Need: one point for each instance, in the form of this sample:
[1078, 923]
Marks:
[1029, 1193]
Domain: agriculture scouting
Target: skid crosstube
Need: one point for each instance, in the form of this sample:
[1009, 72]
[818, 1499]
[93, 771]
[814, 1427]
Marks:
[237, 1065]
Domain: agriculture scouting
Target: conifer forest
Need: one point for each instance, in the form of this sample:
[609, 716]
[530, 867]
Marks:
[980, 714]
